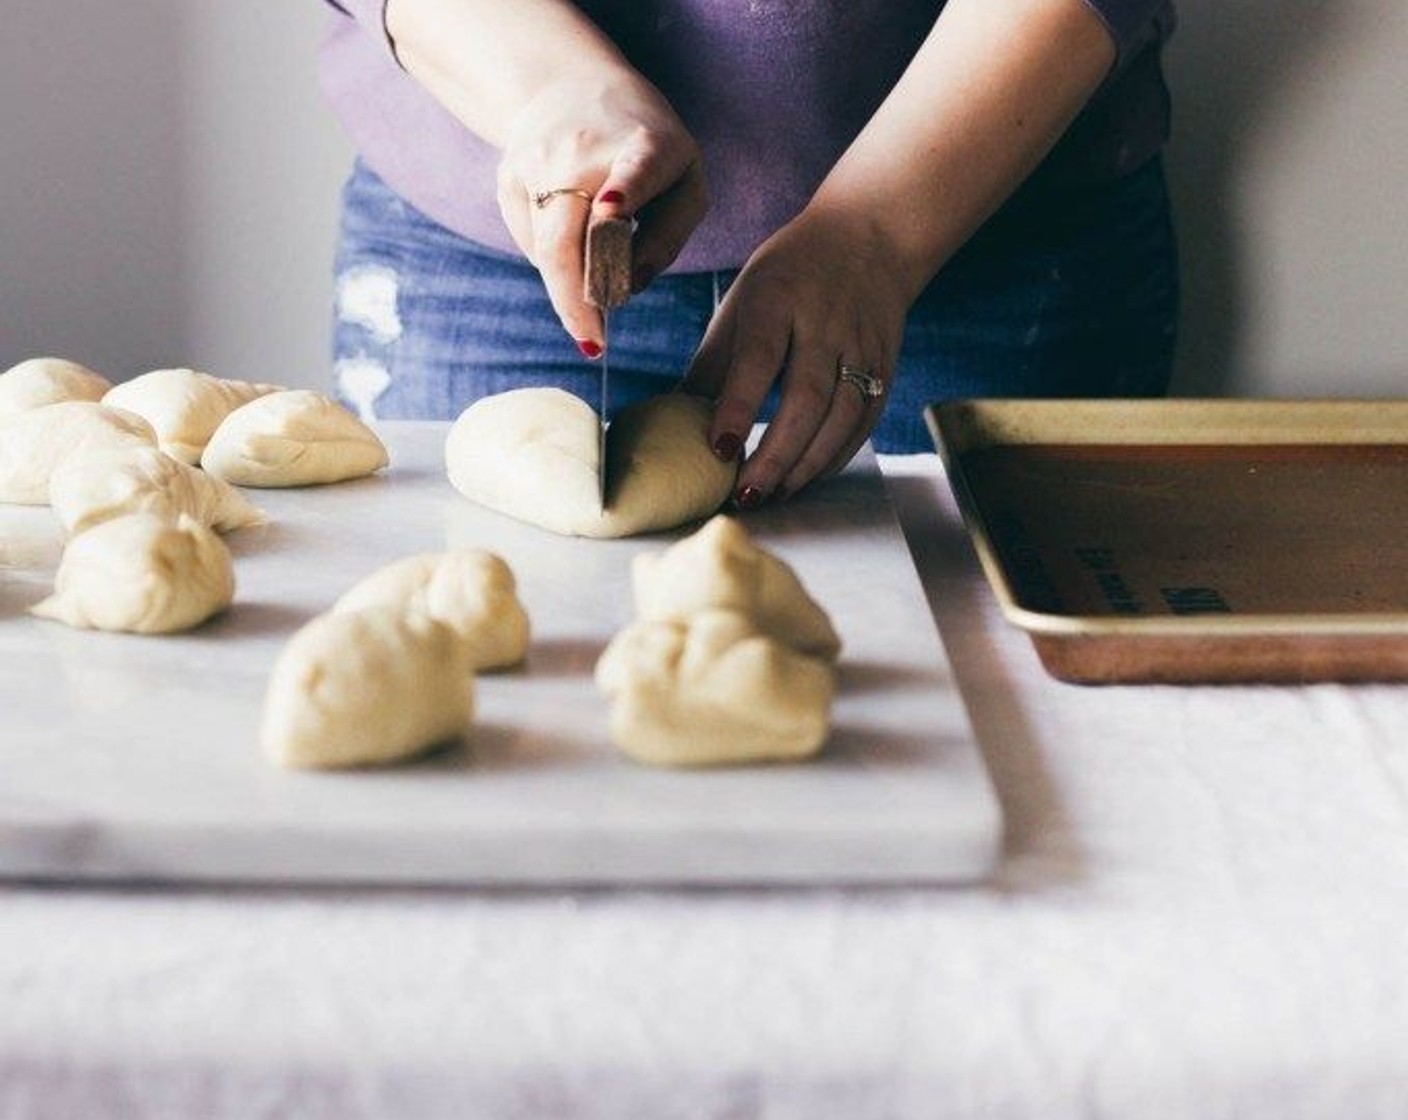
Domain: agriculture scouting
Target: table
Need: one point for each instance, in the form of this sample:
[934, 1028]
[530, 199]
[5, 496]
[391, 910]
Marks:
[1202, 910]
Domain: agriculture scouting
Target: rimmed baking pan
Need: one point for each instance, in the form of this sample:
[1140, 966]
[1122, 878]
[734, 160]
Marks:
[1191, 540]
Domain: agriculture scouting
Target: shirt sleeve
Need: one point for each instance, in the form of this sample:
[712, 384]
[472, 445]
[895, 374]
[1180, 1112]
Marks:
[371, 14]
[1134, 24]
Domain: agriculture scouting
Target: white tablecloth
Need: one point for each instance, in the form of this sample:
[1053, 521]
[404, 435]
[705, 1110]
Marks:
[1202, 912]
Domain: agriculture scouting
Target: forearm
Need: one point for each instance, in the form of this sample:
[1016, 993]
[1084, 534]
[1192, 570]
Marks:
[992, 89]
[485, 59]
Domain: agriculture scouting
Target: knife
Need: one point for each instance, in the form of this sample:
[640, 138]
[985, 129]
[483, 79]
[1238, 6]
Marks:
[607, 284]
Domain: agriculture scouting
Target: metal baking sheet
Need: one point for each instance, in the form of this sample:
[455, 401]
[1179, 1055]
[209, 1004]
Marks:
[1191, 540]
[128, 757]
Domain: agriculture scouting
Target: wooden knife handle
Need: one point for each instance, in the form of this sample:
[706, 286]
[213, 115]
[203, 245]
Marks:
[607, 280]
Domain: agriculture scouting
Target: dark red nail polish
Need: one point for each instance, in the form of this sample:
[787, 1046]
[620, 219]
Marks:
[750, 497]
[588, 348]
[612, 197]
[727, 447]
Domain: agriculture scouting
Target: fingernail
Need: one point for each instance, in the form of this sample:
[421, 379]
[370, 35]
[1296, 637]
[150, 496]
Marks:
[727, 447]
[612, 197]
[588, 348]
[750, 497]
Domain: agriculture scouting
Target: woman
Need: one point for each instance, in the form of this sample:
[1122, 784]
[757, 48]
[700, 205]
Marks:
[846, 208]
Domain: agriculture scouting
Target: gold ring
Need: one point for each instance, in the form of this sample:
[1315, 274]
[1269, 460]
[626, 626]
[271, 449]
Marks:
[869, 386]
[542, 198]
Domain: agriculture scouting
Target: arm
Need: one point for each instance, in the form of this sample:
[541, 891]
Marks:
[484, 59]
[540, 81]
[989, 93]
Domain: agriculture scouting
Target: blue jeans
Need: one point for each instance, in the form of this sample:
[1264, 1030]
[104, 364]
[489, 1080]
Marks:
[1067, 292]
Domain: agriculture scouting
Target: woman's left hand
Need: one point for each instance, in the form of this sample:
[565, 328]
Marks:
[821, 296]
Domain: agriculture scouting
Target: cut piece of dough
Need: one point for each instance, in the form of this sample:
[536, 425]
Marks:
[292, 438]
[713, 691]
[33, 444]
[92, 488]
[366, 687]
[720, 566]
[470, 590]
[41, 381]
[184, 406]
[142, 574]
[533, 454]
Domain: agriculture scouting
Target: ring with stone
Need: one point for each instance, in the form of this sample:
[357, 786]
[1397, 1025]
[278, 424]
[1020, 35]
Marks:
[542, 198]
[870, 386]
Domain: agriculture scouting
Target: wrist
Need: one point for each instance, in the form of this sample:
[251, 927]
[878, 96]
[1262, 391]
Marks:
[588, 91]
[883, 247]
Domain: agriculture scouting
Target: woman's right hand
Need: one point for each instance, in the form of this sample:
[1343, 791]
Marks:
[618, 140]
[544, 84]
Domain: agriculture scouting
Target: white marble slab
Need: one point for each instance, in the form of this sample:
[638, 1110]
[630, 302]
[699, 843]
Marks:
[125, 757]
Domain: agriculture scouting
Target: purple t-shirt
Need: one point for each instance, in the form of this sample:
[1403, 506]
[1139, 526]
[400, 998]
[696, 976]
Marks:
[774, 91]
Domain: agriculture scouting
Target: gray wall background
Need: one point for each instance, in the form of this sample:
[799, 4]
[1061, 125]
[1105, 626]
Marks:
[169, 175]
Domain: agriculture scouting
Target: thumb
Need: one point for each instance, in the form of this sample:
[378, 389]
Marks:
[645, 168]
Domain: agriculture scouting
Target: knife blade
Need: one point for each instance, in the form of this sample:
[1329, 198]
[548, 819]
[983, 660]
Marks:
[607, 284]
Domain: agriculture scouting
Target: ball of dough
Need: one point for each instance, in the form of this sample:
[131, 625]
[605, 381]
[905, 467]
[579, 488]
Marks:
[33, 444]
[184, 406]
[142, 574]
[41, 381]
[292, 438]
[534, 454]
[366, 687]
[89, 489]
[470, 590]
[713, 691]
[721, 567]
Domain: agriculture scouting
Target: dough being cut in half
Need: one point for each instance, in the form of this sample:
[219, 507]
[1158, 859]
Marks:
[360, 688]
[721, 567]
[184, 406]
[33, 444]
[41, 381]
[89, 489]
[292, 438]
[533, 454]
[713, 691]
[470, 590]
[142, 574]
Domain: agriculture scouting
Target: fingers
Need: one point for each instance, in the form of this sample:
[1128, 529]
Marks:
[809, 439]
[649, 164]
[838, 446]
[709, 367]
[552, 237]
[807, 393]
[665, 226]
[849, 448]
[659, 179]
[847, 426]
[820, 421]
[735, 366]
[513, 204]
[559, 230]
